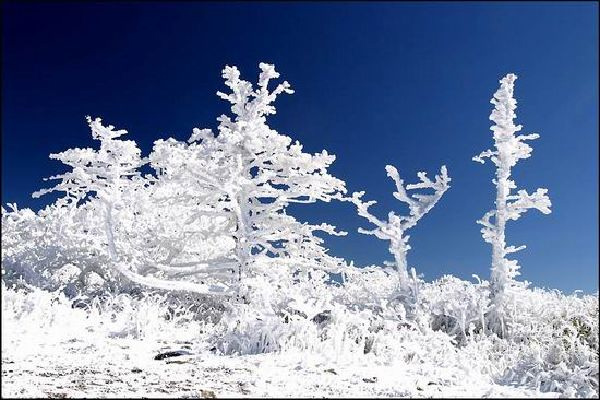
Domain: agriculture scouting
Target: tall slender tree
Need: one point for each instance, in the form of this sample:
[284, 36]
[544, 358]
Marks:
[508, 149]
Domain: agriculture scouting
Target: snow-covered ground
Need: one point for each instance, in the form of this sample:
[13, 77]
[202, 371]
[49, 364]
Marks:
[123, 367]
[51, 349]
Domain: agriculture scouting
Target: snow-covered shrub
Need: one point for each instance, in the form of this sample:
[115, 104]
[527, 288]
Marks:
[554, 339]
[342, 321]
[245, 330]
[509, 148]
[366, 287]
[284, 313]
[21, 250]
[455, 306]
[55, 248]
[44, 316]
[553, 345]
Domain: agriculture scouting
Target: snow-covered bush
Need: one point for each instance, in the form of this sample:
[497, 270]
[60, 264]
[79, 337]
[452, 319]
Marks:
[285, 312]
[245, 330]
[55, 248]
[509, 148]
[366, 287]
[44, 316]
[554, 342]
[455, 306]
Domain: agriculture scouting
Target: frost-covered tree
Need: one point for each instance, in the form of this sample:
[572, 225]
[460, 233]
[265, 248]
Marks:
[217, 205]
[272, 173]
[246, 177]
[103, 176]
[394, 229]
[509, 148]
[257, 172]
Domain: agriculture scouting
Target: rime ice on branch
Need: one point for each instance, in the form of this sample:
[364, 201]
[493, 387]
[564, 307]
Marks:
[395, 227]
[509, 148]
[106, 171]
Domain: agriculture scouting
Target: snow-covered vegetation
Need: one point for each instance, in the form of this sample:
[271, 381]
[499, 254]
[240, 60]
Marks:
[202, 258]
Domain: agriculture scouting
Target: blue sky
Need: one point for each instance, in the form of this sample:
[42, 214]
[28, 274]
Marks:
[396, 83]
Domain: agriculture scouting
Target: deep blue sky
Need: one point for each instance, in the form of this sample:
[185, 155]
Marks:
[376, 83]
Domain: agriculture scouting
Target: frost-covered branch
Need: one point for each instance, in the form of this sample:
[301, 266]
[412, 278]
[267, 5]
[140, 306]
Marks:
[524, 201]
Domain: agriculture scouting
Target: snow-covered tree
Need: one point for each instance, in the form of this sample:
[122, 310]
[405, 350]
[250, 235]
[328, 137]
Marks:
[246, 177]
[272, 173]
[216, 207]
[509, 148]
[186, 234]
[394, 229]
[258, 172]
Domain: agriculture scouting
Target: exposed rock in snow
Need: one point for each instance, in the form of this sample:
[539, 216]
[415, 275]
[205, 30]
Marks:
[169, 354]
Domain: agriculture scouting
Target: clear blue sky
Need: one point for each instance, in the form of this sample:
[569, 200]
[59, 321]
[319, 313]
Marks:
[376, 83]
